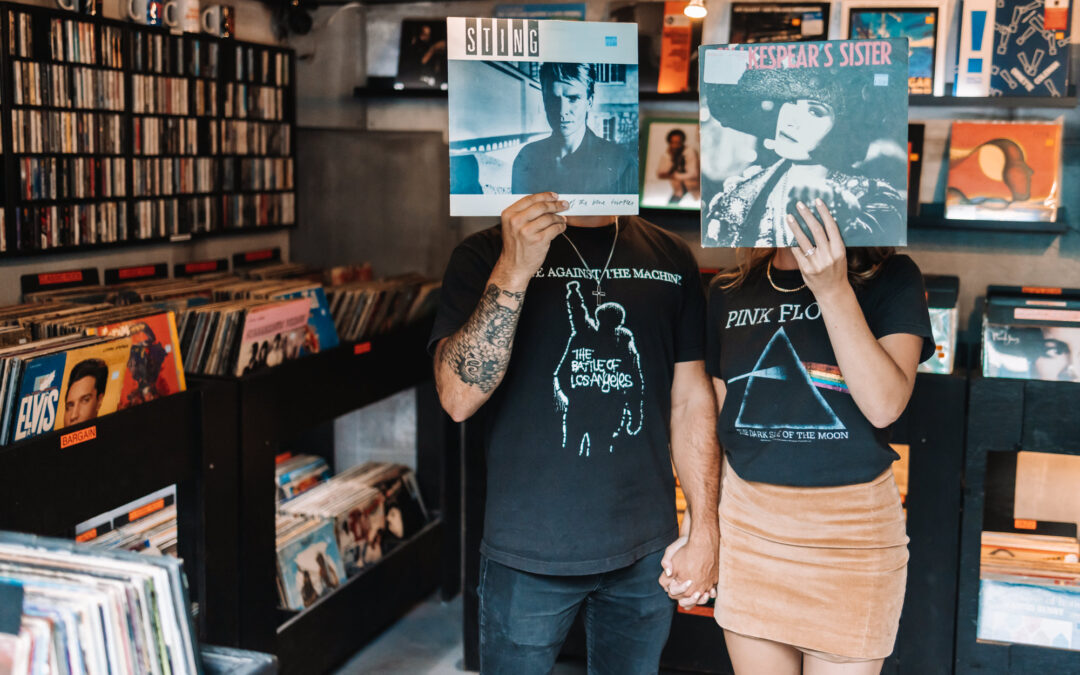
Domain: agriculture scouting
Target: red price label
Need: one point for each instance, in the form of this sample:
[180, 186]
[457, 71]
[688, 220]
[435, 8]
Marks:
[76, 437]
[53, 278]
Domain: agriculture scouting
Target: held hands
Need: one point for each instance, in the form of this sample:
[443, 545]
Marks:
[824, 266]
[528, 226]
[690, 570]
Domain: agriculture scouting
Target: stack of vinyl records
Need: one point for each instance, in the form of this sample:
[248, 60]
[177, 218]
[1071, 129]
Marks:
[942, 294]
[93, 611]
[57, 382]
[371, 508]
[1032, 333]
[364, 309]
[1029, 591]
[240, 337]
[309, 564]
[154, 533]
[297, 474]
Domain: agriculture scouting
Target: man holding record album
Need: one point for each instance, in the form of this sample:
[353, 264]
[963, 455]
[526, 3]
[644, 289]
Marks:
[582, 340]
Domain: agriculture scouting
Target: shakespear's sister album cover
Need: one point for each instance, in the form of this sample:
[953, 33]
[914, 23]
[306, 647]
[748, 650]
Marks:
[539, 106]
[789, 122]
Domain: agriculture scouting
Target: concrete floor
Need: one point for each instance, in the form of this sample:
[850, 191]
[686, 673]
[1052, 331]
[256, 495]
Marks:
[427, 641]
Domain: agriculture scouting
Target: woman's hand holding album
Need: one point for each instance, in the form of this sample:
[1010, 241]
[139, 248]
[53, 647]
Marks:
[823, 261]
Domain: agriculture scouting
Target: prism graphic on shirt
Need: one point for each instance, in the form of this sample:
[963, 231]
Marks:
[599, 385]
[781, 394]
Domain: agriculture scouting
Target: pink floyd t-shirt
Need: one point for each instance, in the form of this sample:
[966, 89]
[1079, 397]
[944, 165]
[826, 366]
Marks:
[787, 418]
[579, 474]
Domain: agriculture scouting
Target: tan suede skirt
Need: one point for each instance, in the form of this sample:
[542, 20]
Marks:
[821, 569]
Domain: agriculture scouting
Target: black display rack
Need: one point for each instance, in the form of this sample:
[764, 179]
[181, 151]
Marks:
[293, 405]
[62, 478]
[933, 426]
[1008, 416]
[179, 64]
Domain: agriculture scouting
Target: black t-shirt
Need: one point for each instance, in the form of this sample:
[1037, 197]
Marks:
[788, 418]
[579, 476]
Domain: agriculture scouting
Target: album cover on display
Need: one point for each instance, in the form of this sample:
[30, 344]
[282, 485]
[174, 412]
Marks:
[309, 564]
[1004, 171]
[1031, 48]
[671, 172]
[783, 123]
[753, 22]
[976, 48]
[1032, 338]
[154, 366]
[942, 294]
[916, 132]
[93, 381]
[272, 333]
[422, 59]
[537, 106]
[1037, 611]
[924, 25]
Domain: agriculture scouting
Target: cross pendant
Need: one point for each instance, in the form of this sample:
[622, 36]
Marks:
[599, 294]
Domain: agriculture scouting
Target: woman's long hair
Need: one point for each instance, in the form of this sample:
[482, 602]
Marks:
[863, 264]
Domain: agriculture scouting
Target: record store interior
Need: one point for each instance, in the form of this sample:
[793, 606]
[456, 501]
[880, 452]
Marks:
[224, 230]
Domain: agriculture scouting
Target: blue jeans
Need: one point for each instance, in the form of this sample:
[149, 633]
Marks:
[525, 617]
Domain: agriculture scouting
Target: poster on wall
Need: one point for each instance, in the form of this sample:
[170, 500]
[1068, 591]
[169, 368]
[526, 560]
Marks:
[923, 27]
[537, 106]
[790, 122]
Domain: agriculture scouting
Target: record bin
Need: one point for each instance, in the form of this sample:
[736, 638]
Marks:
[1007, 416]
[299, 400]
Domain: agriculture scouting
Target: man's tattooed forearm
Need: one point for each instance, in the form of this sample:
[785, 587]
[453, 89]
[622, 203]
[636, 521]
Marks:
[480, 351]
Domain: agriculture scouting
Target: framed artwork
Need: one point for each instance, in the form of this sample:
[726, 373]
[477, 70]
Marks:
[923, 23]
[671, 166]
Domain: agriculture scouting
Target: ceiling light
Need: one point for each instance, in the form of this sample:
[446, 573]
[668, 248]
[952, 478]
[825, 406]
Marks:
[696, 9]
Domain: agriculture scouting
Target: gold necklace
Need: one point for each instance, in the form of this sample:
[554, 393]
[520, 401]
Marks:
[768, 275]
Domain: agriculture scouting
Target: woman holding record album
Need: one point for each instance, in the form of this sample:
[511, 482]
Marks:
[812, 351]
[817, 133]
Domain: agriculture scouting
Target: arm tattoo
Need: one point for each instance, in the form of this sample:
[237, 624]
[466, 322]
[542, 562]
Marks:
[480, 351]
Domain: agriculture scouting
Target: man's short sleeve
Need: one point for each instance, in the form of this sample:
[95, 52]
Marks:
[689, 342]
[714, 331]
[466, 276]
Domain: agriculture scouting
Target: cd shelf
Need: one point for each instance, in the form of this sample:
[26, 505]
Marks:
[163, 97]
[1007, 415]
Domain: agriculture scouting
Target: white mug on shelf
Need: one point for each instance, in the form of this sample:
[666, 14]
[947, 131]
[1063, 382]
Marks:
[187, 13]
[217, 20]
[153, 12]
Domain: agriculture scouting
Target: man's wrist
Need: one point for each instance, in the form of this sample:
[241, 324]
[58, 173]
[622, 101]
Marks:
[509, 278]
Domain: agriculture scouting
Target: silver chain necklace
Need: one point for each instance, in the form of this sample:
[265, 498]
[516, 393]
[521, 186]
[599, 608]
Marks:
[597, 277]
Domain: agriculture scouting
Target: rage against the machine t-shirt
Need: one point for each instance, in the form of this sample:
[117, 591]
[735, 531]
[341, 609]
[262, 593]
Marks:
[579, 476]
[787, 418]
